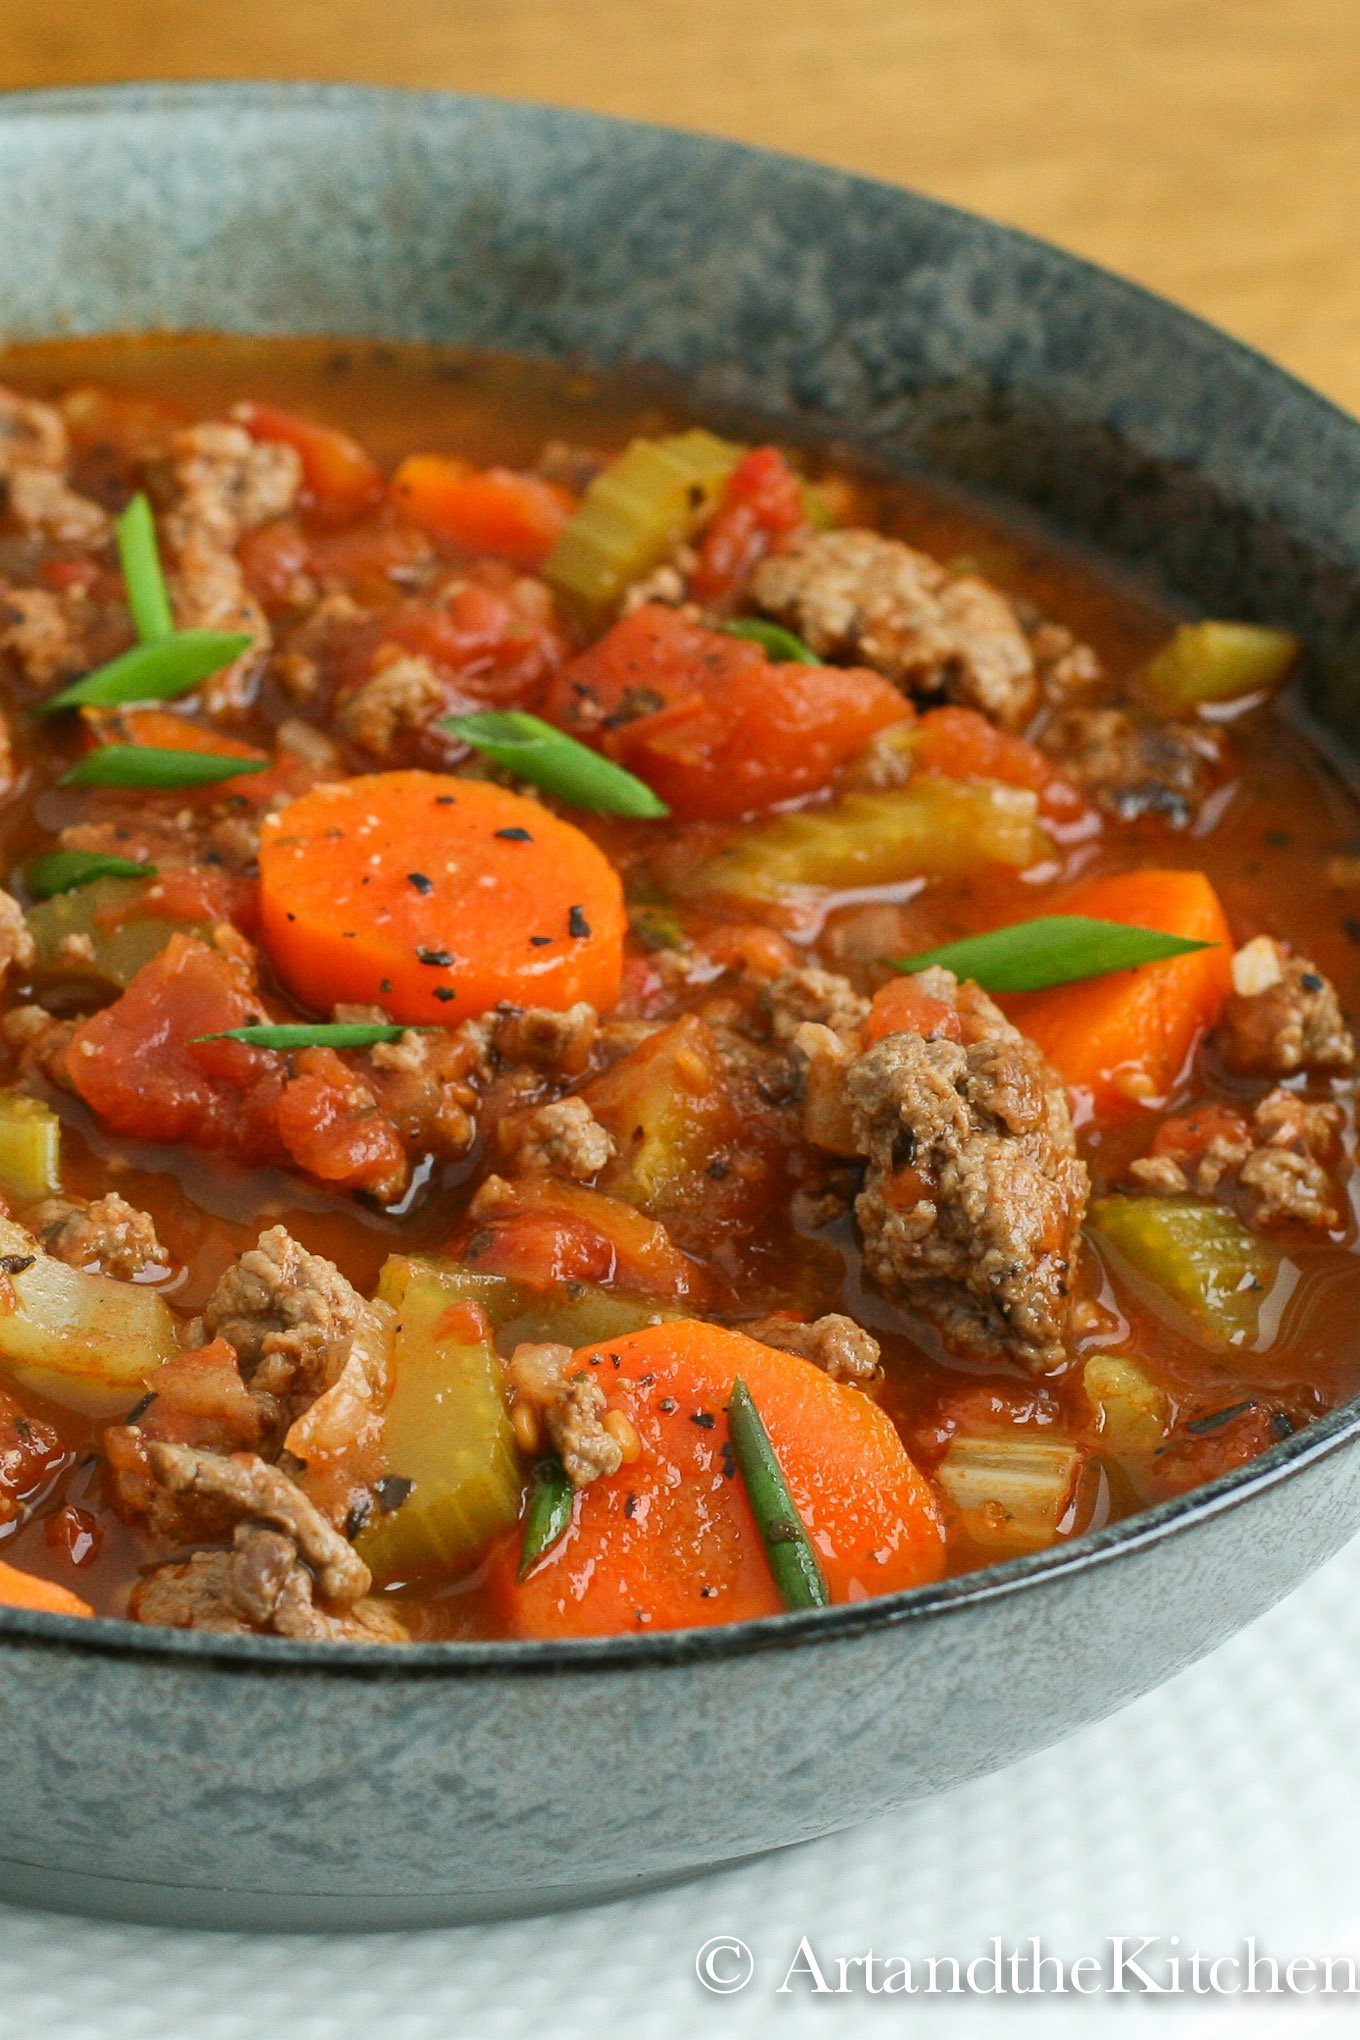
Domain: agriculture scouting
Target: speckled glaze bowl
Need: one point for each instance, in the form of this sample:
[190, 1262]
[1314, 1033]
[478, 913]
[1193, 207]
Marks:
[174, 1777]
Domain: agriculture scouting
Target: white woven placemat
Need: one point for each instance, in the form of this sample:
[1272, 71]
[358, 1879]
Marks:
[1226, 1805]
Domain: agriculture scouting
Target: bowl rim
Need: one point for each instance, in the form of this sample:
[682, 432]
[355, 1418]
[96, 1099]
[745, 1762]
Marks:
[105, 1636]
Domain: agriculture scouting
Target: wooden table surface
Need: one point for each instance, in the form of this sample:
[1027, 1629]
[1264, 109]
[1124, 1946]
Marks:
[1210, 148]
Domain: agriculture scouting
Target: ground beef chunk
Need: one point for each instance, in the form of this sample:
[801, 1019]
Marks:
[45, 504]
[822, 997]
[428, 1084]
[32, 434]
[557, 1044]
[208, 592]
[568, 1411]
[835, 1343]
[857, 595]
[1133, 769]
[1066, 667]
[248, 1490]
[40, 1041]
[44, 633]
[565, 1139]
[1284, 1188]
[109, 1237]
[974, 1193]
[1282, 1015]
[16, 944]
[221, 483]
[301, 1331]
[383, 715]
[1282, 1163]
[257, 1586]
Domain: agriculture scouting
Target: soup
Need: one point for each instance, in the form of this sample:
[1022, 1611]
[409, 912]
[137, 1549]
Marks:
[609, 1025]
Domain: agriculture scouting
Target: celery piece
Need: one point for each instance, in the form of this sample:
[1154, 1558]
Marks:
[1202, 663]
[446, 1430]
[667, 1104]
[569, 1314]
[1133, 1411]
[96, 933]
[635, 511]
[83, 1341]
[1193, 1262]
[931, 828]
[30, 1148]
[1010, 1494]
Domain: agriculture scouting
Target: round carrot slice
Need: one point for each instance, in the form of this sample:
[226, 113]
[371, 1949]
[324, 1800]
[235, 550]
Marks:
[670, 1541]
[436, 898]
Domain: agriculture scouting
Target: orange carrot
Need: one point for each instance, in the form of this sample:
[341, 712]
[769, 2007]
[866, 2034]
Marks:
[670, 1542]
[26, 1590]
[1126, 1038]
[486, 510]
[168, 732]
[339, 477]
[437, 897]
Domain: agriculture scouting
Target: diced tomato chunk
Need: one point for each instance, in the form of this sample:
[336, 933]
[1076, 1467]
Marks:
[1187, 1136]
[139, 1065]
[333, 1129]
[762, 506]
[901, 1007]
[961, 744]
[712, 725]
[544, 1232]
[340, 478]
[513, 516]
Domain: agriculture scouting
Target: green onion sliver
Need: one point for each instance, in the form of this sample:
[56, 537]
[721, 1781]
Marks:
[59, 871]
[532, 749]
[150, 765]
[1055, 949]
[548, 1516]
[142, 577]
[793, 1562]
[159, 670]
[780, 645]
[314, 1034]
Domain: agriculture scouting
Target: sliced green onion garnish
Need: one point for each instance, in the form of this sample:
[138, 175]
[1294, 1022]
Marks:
[60, 871]
[315, 1034]
[548, 1516]
[793, 1562]
[783, 646]
[1056, 949]
[150, 765]
[142, 576]
[157, 671]
[546, 757]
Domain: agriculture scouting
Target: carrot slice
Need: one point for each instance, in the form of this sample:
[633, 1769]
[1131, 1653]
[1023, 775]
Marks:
[167, 731]
[1125, 1039]
[487, 510]
[26, 1590]
[436, 898]
[670, 1542]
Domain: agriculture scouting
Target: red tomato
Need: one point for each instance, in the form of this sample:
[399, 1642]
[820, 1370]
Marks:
[762, 505]
[712, 725]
